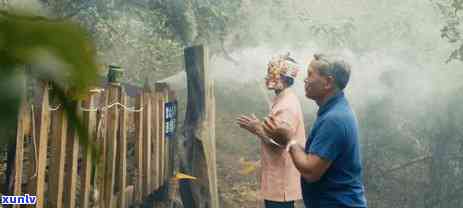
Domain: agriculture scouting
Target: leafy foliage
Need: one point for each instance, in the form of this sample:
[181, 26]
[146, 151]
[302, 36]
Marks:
[27, 39]
[451, 31]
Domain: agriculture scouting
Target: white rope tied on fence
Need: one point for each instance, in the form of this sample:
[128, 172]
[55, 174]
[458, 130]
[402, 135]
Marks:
[105, 108]
[129, 109]
[34, 141]
[88, 109]
[54, 108]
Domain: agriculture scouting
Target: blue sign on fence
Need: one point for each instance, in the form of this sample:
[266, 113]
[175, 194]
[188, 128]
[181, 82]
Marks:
[170, 117]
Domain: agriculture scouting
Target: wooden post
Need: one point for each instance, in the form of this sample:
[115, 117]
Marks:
[160, 92]
[146, 172]
[90, 124]
[111, 144]
[138, 193]
[58, 147]
[167, 142]
[72, 157]
[156, 155]
[173, 142]
[19, 154]
[99, 199]
[42, 147]
[213, 156]
[199, 159]
[122, 154]
[174, 191]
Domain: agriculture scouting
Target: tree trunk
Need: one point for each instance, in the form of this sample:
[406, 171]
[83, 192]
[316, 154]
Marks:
[199, 157]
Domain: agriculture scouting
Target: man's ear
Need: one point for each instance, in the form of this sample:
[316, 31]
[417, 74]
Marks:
[326, 82]
[330, 82]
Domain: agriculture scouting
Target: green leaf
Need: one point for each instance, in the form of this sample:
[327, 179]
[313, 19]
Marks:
[59, 52]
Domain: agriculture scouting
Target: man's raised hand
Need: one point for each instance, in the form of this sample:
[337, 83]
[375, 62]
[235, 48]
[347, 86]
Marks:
[280, 131]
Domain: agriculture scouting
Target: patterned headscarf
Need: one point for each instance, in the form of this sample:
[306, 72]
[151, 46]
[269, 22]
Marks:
[282, 65]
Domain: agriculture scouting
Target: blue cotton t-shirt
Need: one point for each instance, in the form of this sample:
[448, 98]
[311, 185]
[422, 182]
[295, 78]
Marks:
[334, 137]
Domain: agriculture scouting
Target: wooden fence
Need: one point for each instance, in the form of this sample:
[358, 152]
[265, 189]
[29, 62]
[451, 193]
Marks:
[63, 173]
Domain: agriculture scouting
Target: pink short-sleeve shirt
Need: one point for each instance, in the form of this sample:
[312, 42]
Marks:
[280, 180]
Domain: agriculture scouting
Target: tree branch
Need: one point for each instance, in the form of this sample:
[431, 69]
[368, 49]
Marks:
[226, 55]
[77, 10]
[406, 164]
[419, 159]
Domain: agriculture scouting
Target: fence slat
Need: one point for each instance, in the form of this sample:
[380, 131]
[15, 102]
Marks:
[111, 145]
[147, 186]
[58, 147]
[155, 141]
[166, 141]
[72, 157]
[18, 166]
[90, 124]
[162, 143]
[139, 149]
[122, 154]
[101, 141]
[42, 147]
[173, 141]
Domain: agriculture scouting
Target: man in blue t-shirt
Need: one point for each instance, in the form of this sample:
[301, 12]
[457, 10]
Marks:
[330, 163]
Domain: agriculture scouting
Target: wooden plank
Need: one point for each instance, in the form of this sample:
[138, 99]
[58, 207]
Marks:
[173, 141]
[19, 154]
[128, 192]
[213, 161]
[166, 140]
[146, 172]
[72, 158]
[90, 124]
[155, 148]
[162, 139]
[138, 192]
[160, 149]
[31, 145]
[58, 147]
[111, 145]
[174, 191]
[42, 147]
[122, 154]
[101, 141]
[198, 131]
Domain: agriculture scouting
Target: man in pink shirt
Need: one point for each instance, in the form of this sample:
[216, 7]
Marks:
[280, 180]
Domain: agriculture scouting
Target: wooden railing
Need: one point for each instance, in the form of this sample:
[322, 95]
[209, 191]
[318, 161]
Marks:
[62, 173]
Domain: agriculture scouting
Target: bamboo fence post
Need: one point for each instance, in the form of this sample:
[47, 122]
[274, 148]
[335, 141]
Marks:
[111, 144]
[101, 140]
[72, 158]
[19, 154]
[161, 142]
[122, 154]
[58, 147]
[42, 147]
[90, 124]
[167, 142]
[138, 193]
[146, 172]
[156, 140]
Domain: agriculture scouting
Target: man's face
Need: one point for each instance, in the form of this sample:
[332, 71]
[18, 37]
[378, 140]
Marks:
[316, 85]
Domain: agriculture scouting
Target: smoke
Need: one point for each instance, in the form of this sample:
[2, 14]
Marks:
[28, 6]
[375, 74]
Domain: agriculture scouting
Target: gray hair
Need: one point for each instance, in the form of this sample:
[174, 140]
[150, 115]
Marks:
[330, 66]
